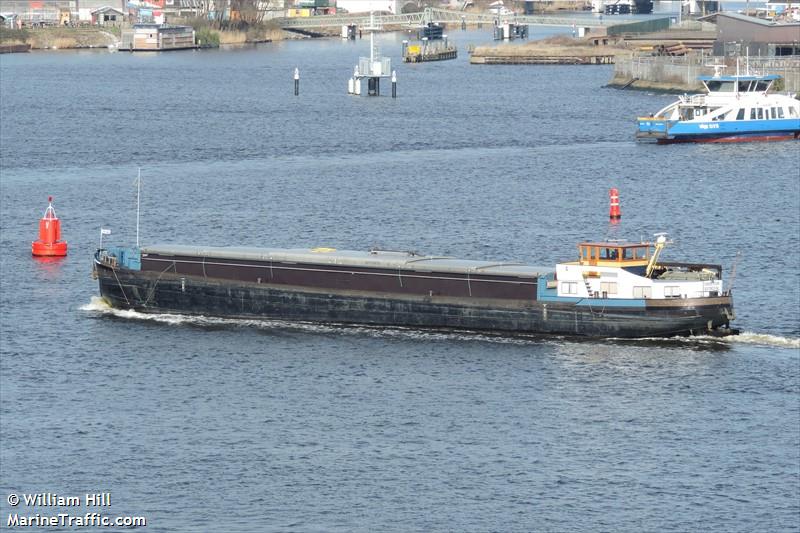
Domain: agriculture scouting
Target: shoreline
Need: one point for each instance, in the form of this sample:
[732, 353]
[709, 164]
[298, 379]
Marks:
[68, 38]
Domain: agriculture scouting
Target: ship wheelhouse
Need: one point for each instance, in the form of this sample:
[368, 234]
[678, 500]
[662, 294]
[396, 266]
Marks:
[738, 84]
[614, 255]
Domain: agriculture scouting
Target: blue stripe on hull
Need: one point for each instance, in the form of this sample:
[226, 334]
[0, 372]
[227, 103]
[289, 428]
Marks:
[735, 127]
[723, 130]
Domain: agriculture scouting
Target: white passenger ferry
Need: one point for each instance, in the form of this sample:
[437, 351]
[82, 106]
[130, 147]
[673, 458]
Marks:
[735, 108]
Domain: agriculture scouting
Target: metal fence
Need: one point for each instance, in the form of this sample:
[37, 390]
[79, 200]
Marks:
[645, 26]
[684, 70]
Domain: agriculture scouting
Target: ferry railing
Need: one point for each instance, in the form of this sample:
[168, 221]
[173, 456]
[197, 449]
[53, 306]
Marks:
[693, 100]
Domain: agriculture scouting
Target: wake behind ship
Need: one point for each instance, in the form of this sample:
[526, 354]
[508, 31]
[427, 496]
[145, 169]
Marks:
[613, 289]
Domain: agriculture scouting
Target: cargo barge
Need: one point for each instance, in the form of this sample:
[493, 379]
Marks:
[613, 289]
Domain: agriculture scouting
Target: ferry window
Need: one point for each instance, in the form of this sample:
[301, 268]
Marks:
[752, 113]
[762, 86]
[774, 113]
[609, 287]
[642, 292]
[627, 253]
[792, 112]
[743, 86]
[569, 287]
[780, 112]
[760, 113]
[740, 114]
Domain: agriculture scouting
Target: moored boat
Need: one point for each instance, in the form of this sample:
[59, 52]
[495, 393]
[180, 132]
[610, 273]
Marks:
[734, 109]
[613, 289]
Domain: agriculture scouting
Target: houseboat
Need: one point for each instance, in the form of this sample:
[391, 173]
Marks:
[150, 37]
[734, 109]
[612, 289]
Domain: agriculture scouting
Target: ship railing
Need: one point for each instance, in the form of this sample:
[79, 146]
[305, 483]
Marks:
[106, 258]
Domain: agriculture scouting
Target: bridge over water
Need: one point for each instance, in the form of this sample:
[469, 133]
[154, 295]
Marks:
[415, 20]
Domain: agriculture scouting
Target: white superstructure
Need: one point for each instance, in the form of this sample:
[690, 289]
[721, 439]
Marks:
[612, 270]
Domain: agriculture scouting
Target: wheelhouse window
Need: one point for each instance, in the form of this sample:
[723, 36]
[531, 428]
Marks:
[744, 86]
[721, 86]
[592, 253]
[609, 254]
[762, 86]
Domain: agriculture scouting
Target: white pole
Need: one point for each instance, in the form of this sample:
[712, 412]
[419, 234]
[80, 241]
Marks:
[371, 39]
[138, 190]
[371, 49]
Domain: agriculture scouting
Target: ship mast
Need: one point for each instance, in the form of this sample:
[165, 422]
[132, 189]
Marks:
[138, 194]
[661, 243]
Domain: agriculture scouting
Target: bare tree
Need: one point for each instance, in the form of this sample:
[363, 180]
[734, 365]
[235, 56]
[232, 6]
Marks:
[248, 10]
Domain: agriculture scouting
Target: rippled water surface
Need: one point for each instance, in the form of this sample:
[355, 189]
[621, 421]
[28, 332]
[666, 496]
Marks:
[205, 424]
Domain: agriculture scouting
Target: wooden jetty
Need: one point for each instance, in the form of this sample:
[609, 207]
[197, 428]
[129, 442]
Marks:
[544, 59]
[434, 55]
[558, 50]
[436, 49]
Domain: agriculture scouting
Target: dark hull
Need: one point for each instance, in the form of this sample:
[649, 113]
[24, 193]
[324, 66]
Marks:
[152, 292]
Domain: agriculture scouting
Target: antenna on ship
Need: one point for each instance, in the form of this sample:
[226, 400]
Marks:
[138, 194]
[747, 61]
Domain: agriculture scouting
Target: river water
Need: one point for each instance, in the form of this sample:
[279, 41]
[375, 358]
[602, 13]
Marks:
[216, 425]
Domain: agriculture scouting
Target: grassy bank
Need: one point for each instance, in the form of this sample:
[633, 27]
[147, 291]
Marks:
[61, 37]
[212, 33]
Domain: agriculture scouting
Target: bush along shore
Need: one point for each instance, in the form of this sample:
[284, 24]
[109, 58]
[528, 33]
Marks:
[58, 37]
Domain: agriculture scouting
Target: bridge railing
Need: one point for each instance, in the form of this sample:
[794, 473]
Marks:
[445, 16]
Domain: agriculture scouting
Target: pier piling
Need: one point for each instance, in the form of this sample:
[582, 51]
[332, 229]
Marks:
[296, 81]
[394, 84]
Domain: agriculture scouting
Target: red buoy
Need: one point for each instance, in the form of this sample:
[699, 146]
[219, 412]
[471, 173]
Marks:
[49, 243]
[614, 212]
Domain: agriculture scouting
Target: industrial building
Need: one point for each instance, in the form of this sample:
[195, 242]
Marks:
[742, 34]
